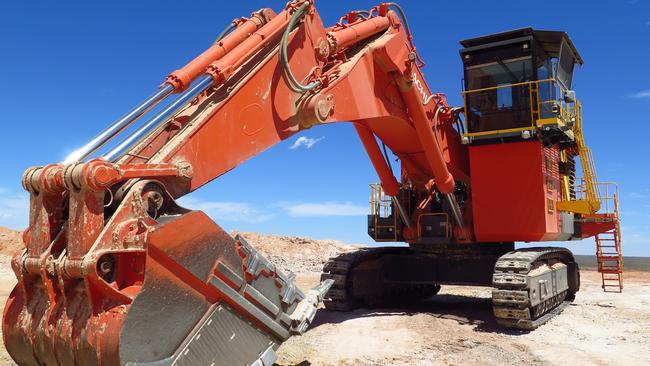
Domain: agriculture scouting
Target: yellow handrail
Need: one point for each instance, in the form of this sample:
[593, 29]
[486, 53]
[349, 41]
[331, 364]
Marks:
[592, 188]
[506, 86]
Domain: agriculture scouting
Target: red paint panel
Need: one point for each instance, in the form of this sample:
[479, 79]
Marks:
[511, 199]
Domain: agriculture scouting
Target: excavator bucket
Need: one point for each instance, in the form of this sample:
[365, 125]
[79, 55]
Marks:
[205, 298]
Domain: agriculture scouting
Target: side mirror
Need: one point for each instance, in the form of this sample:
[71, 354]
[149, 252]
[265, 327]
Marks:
[570, 96]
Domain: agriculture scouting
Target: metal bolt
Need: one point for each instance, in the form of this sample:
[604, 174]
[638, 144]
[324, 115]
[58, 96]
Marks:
[105, 267]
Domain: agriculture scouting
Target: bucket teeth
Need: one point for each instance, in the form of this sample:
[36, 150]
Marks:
[304, 314]
[254, 263]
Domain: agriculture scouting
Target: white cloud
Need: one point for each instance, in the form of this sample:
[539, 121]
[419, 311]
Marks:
[227, 211]
[325, 209]
[307, 142]
[643, 94]
[14, 209]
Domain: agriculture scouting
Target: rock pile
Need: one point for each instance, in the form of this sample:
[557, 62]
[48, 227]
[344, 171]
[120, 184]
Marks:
[296, 254]
[11, 241]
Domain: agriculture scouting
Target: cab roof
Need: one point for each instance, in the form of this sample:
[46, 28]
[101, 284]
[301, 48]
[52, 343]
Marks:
[550, 41]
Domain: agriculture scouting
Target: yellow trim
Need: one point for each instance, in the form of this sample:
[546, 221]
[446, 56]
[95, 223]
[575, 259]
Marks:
[566, 183]
[550, 121]
[578, 206]
[499, 132]
[506, 86]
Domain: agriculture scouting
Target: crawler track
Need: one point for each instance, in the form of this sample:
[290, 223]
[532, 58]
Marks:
[531, 286]
[346, 294]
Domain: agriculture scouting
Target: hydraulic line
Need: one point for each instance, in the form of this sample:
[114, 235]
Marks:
[364, 13]
[405, 21]
[292, 82]
[232, 26]
[402, 15]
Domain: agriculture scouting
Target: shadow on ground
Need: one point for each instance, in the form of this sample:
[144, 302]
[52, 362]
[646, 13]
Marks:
[469, 310]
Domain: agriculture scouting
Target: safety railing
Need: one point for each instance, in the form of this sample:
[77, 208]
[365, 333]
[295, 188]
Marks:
[545, 100]
[380, 203]
[381, 208]
[591, 185]
[608, 197]
[588, 199]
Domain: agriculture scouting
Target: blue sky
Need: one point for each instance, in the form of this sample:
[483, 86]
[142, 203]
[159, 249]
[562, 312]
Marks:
[69, 69]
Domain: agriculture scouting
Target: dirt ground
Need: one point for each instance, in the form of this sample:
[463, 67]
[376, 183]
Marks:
[456, 326]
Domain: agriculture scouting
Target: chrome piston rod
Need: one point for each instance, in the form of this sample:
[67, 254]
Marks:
[118, 126]
[455, 210]
[159, 119]
[402, 212]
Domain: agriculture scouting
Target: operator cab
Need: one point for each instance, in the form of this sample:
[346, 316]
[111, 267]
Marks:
[517, 84]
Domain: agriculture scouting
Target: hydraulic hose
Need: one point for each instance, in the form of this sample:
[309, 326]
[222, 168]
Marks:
[409, 35]
[365, 13]
[293, 83]
[225, 32]
[402, 15]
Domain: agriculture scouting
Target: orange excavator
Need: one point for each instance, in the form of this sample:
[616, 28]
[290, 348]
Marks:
[115, 272]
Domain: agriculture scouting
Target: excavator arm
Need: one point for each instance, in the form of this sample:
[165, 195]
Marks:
[116, 273]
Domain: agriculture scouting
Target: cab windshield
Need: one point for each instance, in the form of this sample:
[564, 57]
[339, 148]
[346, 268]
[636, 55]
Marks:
[503, 106]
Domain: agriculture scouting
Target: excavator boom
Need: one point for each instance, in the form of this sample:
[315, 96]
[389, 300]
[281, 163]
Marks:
[116, 273]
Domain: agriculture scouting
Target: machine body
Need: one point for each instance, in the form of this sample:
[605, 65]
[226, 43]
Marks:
[115, 272]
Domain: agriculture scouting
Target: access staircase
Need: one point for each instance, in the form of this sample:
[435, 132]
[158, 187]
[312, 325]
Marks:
[608, 243]
[600, 215]
[610, 261]
[605, 227]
